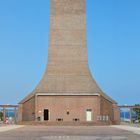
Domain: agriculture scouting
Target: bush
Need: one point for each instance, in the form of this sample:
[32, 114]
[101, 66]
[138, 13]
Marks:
[1, 116]
[137, 110]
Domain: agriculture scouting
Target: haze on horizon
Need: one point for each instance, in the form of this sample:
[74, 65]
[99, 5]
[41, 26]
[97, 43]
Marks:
[113, 41]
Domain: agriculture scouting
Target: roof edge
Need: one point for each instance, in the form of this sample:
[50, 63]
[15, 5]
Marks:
[28, 97]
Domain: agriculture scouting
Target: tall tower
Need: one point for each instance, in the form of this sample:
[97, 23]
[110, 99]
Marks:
[67, 70]
[67, 73]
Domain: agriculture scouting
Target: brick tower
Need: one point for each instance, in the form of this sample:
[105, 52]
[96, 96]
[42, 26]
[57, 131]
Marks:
[67, 91]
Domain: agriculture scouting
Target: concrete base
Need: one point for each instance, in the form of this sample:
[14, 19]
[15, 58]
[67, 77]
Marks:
[65, 123]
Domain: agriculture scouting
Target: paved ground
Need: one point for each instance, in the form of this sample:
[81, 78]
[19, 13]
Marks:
[5, 128]
[135, 130]
[131, 124]
[68, 133]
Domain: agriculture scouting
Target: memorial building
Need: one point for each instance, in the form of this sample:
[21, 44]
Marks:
[67, 92]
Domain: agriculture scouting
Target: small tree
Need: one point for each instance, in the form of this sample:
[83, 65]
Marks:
[1, 116]
[137, 110]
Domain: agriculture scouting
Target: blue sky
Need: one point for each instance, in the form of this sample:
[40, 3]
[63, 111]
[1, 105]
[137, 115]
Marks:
[113, 35]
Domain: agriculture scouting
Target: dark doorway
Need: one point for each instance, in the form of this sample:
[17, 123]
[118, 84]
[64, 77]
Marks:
[46, 114]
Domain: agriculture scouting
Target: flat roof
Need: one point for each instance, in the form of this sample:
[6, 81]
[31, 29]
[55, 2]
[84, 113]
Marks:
[8, 106]
[131, 107]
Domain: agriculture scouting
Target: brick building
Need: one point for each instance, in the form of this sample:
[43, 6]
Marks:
[67, 91]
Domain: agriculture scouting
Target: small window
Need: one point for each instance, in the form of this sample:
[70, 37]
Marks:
[76, 119]
[104, 118]
[107, 118]
[68, 112]
[98, 118]
[59, 119]
[90, 110]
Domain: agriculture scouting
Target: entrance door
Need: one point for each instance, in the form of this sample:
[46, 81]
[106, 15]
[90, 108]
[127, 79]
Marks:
[46, 114]
[89, 114]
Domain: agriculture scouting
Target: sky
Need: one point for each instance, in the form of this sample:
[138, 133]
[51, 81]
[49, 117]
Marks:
[113, 41]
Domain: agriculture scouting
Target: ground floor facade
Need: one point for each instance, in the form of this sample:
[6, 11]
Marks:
[65, 108]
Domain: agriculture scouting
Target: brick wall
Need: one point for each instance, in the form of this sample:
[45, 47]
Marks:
[76, 106]
[28, 110]
[106, 108]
